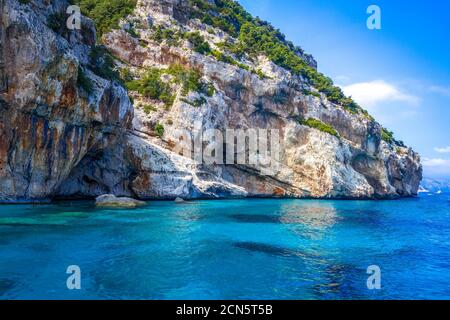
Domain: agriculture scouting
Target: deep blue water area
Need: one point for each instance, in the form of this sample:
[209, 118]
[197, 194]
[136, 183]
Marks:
[234, 249]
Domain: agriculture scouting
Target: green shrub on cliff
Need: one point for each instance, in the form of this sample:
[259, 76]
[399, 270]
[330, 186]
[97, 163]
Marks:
[260, 74]
[171, 36]
[84, 82]
[151, 86]
[189, 79]
[148, 108]
[387, 136]
[126, 74]
[102, 64]
[159, 130]
[209, 89]
[106, 13]
[197, 103]
[236, 49]
[223, 14]
[319, 125]
[132, 32]
[198, 42]
[57, 22]
[311, 93]
[220, 56]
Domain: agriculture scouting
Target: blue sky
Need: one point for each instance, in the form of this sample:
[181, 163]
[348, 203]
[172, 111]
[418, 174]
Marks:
[401, 73]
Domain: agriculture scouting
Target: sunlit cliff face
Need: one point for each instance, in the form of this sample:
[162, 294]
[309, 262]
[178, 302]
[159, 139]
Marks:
[71, 130]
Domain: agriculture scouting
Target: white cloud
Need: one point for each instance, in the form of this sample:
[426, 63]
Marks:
[442, 150]
[436, 167]
[436, 162]
[370, 93]
[445, 91]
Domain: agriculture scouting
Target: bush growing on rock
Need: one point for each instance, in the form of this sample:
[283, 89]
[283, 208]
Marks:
[307, 92]
[159, 130]
[126, 74]
[84, 82]
[171, 36]
[132, 32]
[106, 13]
[220, 56]
[102, 64]
[198, 42]
[387, 136]
[148, 108]
[151, 86]
[319, 125]
[189, 79]
[197, 103]
[57, 22]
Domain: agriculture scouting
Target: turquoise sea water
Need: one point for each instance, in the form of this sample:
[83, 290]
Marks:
[240, 249]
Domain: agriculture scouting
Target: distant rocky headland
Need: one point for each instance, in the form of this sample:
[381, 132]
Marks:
[433, 185]
[98, 109]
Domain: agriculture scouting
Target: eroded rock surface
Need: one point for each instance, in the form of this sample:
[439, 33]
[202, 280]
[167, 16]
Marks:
[47, 123]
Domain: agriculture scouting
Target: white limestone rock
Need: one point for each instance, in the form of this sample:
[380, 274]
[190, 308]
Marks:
[111, 201]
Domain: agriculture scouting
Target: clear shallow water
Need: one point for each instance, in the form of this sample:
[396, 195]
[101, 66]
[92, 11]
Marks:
[243, 249]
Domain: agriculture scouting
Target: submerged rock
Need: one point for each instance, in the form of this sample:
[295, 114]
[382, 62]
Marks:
[109, 200]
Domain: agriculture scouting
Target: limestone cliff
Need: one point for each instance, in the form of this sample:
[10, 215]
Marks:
[70, 130]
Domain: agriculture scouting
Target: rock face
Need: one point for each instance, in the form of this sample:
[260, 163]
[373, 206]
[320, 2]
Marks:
[62, 141]
[48, 124]
[430, 185]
